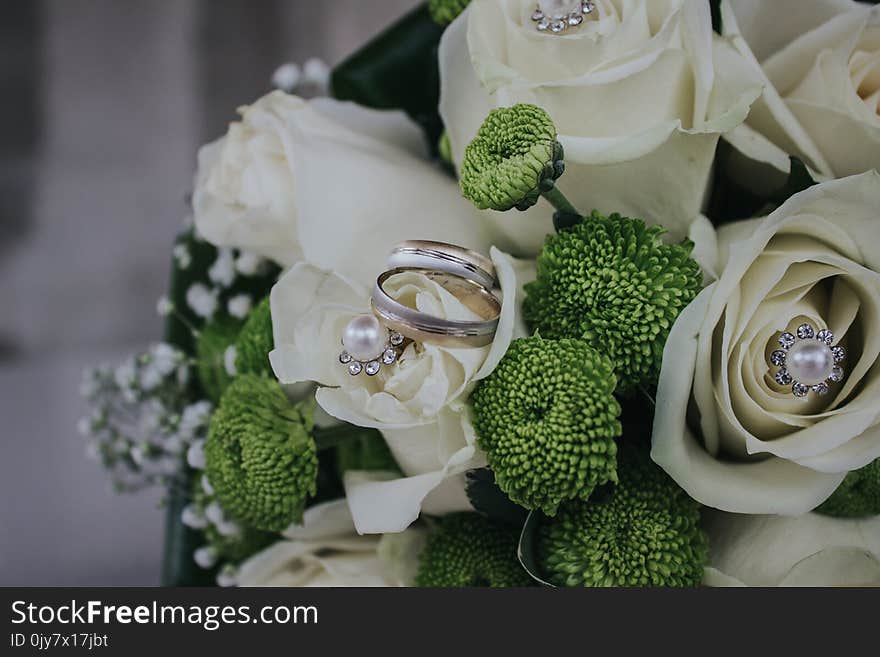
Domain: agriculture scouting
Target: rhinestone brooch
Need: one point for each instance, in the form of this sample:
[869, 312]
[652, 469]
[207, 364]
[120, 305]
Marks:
[808, 360]
[557, 18]
[367, 346]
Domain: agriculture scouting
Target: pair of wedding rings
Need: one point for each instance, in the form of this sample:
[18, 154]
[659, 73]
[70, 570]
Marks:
[370, 341]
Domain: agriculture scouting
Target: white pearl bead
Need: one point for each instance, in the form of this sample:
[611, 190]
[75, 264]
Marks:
[810, 362]
[364, 338]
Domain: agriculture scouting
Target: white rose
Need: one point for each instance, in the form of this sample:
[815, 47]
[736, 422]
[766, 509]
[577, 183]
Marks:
[731, 436]
[326, 551]
[639, 97]
[327, 182]
[821, 63]
[417, 403]
[808, 550]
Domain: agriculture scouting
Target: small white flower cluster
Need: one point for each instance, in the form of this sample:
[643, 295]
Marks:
[140, 425]
[310, 79]
[205, 514]
[205, 299]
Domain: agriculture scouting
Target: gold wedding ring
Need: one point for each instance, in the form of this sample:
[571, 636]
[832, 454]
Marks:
[422, 327]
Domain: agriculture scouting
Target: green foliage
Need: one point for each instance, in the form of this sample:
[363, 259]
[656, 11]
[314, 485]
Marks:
[445, 11]
[715, 8]
[367, 450]
[613, 283]
[255, 341]
[444, 151]
[466, 550]
[513, 158]
[547, 419]
[213, 341]
[260, 454]
[645, 532]
[487, 497]
[397, 70]
[858, 496]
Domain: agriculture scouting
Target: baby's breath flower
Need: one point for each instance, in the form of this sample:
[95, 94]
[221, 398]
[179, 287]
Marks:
[202, 300]
[222, 272]
[138, 426]
[182, 256]
[248, 263]
[239, 306]
[164, 307]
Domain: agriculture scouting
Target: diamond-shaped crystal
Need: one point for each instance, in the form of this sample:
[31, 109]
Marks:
[575, 19]
[825, 336]
[344, 357]
[839, 354]
[543, 24]
[396, 339]
[799, 389]
[836, 374]
[587, 7]
[805, 332]
[778, 357]
[372, 368]
[786, 340]
[821, 389]
[355, 368]
[537, 15]
[557, 26]
[783, 378]
[389, 356]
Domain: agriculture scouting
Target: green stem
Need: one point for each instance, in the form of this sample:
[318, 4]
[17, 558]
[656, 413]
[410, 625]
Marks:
[557, 200]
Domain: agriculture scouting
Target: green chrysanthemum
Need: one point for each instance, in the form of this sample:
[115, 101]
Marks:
[857, 496]
[367, 451]
[260, 455]
[443, 12]
[612, 282]
[213, 341]
[513, 158]
[467, 549]
[230, 548]
[547, 419]
[645, 533]
[255, 341]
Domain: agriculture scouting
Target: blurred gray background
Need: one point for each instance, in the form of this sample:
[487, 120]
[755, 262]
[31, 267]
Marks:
[104, 104]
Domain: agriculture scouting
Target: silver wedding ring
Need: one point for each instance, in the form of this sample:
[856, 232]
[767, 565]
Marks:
[440, 256]
[422, 327]
[373, 341]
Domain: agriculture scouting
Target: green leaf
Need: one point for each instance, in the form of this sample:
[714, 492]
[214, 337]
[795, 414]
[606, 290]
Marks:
[731, 201]
[397, 70]
[799, 179]
[487, 498]
[178, 567]
[715, 6]
[527, 550]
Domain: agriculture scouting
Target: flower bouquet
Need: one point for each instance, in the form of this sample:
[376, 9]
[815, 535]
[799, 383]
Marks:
[561, 293]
